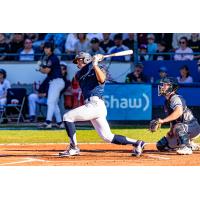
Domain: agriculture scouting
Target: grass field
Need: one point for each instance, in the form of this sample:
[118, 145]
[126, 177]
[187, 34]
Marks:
[83, 136]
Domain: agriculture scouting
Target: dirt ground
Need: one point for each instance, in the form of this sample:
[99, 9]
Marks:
[91, 155]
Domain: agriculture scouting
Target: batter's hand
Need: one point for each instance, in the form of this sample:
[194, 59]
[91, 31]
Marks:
[98, 57]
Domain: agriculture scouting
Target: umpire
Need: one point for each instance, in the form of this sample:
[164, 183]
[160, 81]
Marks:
[50, 65]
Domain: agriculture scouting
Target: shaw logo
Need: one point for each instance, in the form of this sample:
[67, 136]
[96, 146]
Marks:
[125, 103]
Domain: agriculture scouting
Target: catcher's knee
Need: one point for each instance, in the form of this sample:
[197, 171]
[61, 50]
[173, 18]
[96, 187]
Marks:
[180, 130]
[162, 144]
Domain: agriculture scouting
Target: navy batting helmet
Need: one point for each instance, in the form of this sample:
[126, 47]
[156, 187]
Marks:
[87, 58]
[2, 71]
[49, 45]
[173, 86]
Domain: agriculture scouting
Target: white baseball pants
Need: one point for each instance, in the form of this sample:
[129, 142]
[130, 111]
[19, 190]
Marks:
[94, 111]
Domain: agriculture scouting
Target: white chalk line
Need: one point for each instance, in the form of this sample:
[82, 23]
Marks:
[26, 160]
[158, 157]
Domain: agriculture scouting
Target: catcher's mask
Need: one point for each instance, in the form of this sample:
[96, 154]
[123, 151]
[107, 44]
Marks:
[86, 57]
[173, 86]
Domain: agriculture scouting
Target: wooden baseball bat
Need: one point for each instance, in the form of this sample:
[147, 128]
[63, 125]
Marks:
[122, 53]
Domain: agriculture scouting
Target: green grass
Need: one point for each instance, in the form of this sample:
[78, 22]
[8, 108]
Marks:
[83, 136]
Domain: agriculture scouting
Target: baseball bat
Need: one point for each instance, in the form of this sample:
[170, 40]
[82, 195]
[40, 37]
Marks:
[122, 53]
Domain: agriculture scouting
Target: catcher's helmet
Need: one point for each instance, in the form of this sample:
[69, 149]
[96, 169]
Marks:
[173, 86]
[2, 71]
[49, 45]
[87, 58]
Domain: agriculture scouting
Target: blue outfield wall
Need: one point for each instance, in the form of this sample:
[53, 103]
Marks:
[151, 68]
[128, 101]
[135, 101]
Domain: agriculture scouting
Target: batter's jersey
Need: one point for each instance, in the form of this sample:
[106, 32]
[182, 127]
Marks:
[88, 82]
[177, 100]
[53, 63]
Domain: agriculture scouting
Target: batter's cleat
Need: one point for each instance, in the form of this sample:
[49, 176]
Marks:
[138, 148]
[71, 151]
[194, 146]
[45, 126]
[185, 150]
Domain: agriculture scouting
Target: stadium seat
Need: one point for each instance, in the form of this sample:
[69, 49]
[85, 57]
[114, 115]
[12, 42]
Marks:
[15, 103]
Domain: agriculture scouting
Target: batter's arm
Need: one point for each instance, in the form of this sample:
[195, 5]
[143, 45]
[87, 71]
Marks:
[101, 76]
[173, 116]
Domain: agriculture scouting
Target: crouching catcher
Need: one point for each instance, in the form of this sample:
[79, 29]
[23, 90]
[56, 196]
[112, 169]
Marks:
[184, 126]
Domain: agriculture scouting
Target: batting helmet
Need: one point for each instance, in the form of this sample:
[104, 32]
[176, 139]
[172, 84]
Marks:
[173, 86]
[2, 71]
[49, 45]
[86, 57]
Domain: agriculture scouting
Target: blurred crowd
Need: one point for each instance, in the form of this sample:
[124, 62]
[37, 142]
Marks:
[152, 46]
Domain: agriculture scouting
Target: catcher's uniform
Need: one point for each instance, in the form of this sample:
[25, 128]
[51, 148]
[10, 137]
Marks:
[186, 125]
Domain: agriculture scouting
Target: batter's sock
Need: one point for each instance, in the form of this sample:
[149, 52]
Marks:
[71, 131]
[119, 139]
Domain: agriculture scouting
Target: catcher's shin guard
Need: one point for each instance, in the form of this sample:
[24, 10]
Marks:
[162, 144]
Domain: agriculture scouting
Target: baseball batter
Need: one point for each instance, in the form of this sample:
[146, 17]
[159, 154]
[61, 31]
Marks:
[183, 125]
[50, 65]
[91, 78]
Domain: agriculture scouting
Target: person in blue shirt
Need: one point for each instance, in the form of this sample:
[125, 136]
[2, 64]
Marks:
[91, 78]
[50, 65]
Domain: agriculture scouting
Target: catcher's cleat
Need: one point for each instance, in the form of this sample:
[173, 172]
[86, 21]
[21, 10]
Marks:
[184, 150]
[71, 151]
[61, 126]
[194, 146]
[138, 148]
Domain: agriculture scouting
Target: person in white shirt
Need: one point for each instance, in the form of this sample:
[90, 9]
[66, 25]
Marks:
[4, 86]
[176, 38]
[70, 44]
[99, 36]
[184, 75]
[183, 52]
[27, 54]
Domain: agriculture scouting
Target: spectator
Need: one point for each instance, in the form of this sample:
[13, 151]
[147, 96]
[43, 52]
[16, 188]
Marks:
[107, 42]
[166, 37]
[27, 53]
[194, 44]
[4, 47]
[184, 75]
[142, 38]
[117, 48]
[58, 39]
[33, 36]
[137, 75]
[70, 45]
[95, 48]
[16, 44]
[162, 74]
[151, 45]
[99, 36]
[143, 56]
[176, 38]
[129, 42]
[183, 52]
[4, 86]
[82, 44]
[161, 52]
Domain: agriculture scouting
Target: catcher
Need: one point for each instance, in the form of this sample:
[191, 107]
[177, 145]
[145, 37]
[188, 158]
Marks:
[184, 126]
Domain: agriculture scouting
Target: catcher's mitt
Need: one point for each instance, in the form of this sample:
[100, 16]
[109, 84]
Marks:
[154, 125]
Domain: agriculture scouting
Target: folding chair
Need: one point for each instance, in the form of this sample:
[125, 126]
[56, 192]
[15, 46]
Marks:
[20, 95]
